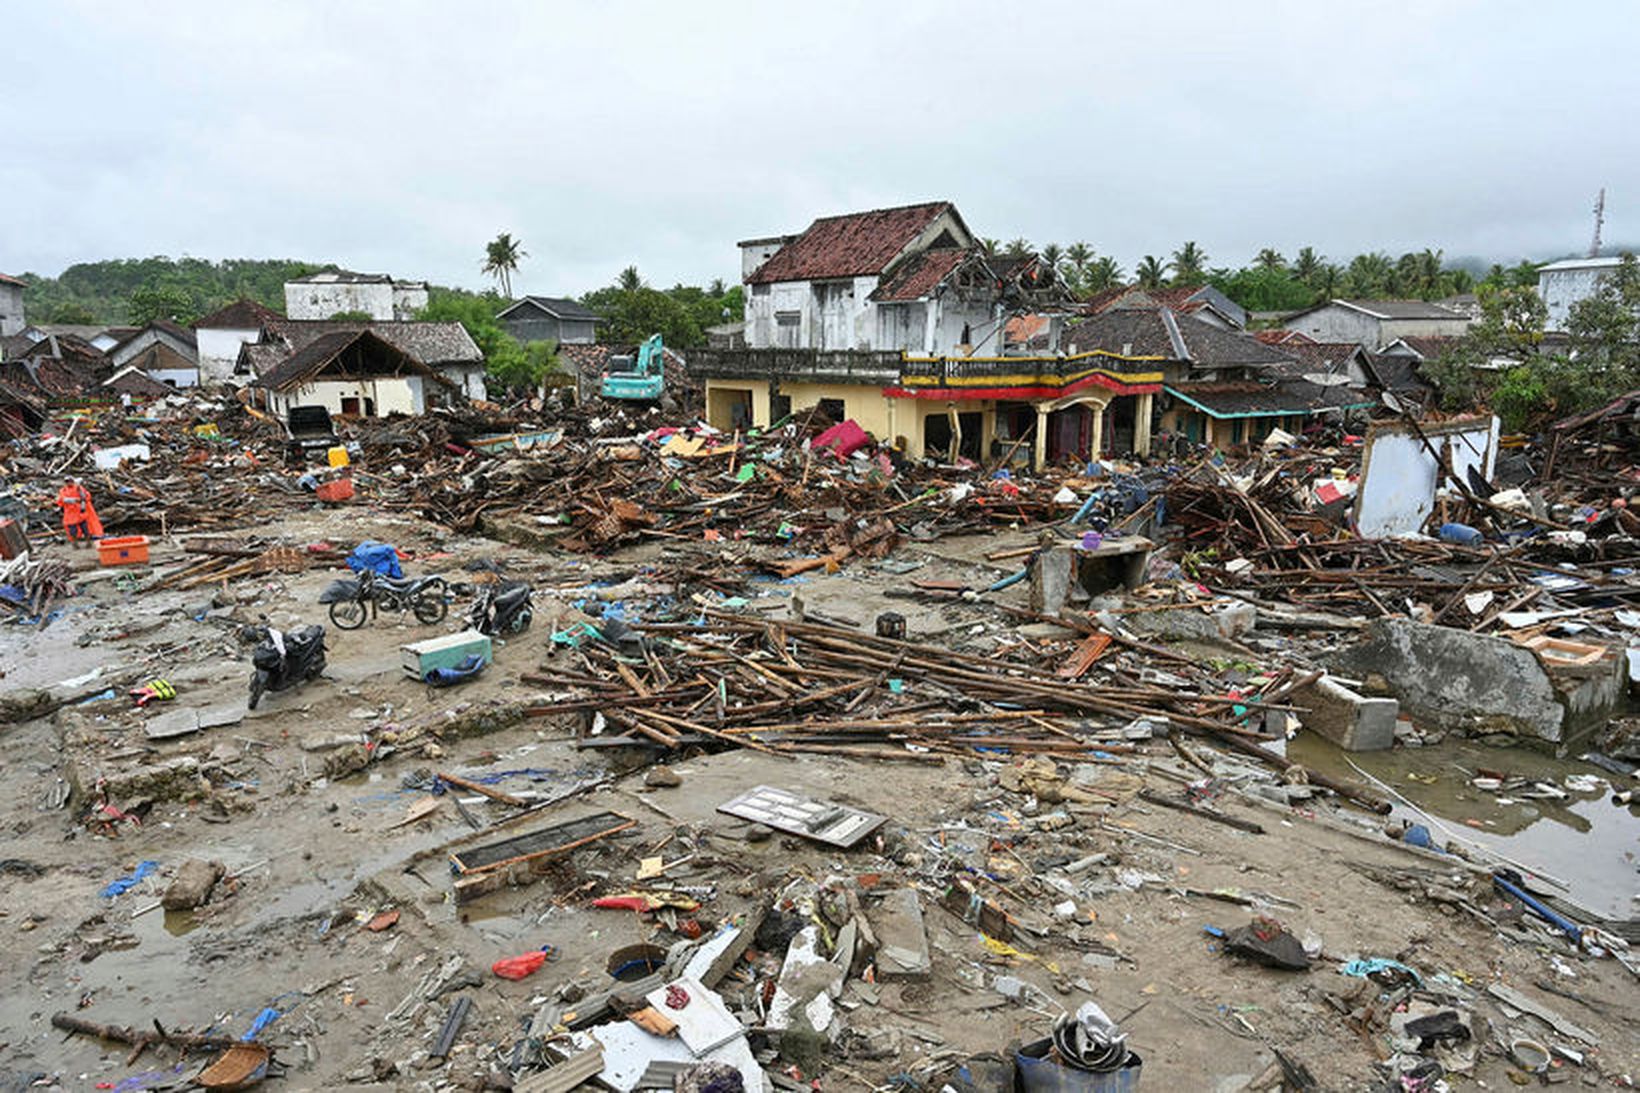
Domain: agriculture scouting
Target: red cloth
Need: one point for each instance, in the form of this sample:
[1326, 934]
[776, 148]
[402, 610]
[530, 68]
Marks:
[79, 515]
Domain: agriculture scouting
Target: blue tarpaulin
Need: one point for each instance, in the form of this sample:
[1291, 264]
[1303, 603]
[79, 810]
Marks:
[377, 556]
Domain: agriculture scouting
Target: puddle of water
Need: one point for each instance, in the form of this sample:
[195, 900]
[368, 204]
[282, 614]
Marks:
[1583, 840]
[180, 923]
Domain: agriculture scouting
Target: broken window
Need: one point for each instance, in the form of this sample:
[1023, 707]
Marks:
[785, 333]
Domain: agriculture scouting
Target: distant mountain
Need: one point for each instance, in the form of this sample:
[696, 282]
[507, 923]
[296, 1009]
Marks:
[100, 292]
[1479, 265]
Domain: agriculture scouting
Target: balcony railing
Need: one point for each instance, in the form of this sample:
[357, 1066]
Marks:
[812, 365]
[892, 368]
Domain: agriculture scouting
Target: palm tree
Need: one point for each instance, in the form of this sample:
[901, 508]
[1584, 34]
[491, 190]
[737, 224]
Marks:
[1151, 271]
[1327, 279]
[990, 247]
[629, 281]
[1270, 259]
[1433, 281]
[1017, 248]
[1052, 254]
[1370, 275]
[501, 256]
[1103, 273]
[1189, 264]
[717, 287]
[1307, 265]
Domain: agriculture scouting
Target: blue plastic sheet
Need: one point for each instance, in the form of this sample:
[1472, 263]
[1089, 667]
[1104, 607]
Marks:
[380, 557]
[126, 883]
[1360, 969]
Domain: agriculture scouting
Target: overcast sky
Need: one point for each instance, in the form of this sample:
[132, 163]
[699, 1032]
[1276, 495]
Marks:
[401, 137]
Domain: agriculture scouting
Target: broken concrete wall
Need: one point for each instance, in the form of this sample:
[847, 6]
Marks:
[1478, 684]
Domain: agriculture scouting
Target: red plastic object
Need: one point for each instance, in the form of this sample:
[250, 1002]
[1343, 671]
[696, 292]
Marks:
[123, 550]
[517, 967]
[622, 903]
[335, 492]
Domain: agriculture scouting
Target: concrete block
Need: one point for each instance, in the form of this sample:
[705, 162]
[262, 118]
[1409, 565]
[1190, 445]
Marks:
[1051, 578]
[902, 940]
[1352, 721]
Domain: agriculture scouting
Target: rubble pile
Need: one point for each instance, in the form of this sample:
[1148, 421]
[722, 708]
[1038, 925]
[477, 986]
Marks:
[792, 763]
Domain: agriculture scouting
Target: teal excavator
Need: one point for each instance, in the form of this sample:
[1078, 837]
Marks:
[640, 382]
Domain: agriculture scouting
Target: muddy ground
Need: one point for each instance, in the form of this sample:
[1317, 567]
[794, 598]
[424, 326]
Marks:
[313, 858]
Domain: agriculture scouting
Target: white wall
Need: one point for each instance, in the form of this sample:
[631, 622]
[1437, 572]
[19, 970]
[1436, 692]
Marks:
[11, 310]
[1561, 288]
[176, 377]
[409, 297]
[219, 352]
[468, 377]
[308, 300]
[391, 394]
[1399, 476]
[1338, 324]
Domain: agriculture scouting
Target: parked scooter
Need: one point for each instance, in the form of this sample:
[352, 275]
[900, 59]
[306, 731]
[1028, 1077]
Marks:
[352, 601]
[283, 659]
[502, 608]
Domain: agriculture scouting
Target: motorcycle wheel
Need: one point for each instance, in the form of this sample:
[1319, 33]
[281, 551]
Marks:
[259, 682]
[521, 621]
[430, 609]
[347, 614]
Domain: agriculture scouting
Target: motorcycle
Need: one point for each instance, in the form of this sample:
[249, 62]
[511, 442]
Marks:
[502, 608]
[353, 601]
[283, 659]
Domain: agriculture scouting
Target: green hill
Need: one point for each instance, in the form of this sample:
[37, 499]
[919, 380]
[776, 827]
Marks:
[102, 292]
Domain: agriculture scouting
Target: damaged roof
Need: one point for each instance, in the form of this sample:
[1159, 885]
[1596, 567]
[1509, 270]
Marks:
[306, 363]
[918, 276]
[853, 245]
[430, 343]
[1249, 398]
[1163, 332]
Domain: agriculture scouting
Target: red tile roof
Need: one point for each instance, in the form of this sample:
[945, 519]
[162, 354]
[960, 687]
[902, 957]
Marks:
[919, 275]
[242, 314]
[1284, 337]
[4, 280]
[858, 244]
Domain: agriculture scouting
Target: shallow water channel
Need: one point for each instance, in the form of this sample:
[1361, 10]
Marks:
[1583, 840]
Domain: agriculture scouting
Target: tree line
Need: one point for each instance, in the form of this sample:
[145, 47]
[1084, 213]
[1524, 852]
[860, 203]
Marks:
[1270, 282]
[135, 291]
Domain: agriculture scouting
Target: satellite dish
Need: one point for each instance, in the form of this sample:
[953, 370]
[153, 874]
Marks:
[1326, 379]
[1392, 404]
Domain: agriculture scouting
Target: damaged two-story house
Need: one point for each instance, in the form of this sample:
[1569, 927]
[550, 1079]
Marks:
[910, 279]
[894, 318]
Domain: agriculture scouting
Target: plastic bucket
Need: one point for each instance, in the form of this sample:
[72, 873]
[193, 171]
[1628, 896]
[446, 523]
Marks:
[1039, 1074]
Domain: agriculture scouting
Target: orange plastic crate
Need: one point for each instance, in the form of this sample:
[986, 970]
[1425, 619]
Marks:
[123, 550]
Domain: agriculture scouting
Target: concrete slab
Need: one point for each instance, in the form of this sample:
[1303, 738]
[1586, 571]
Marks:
[1350, 720]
